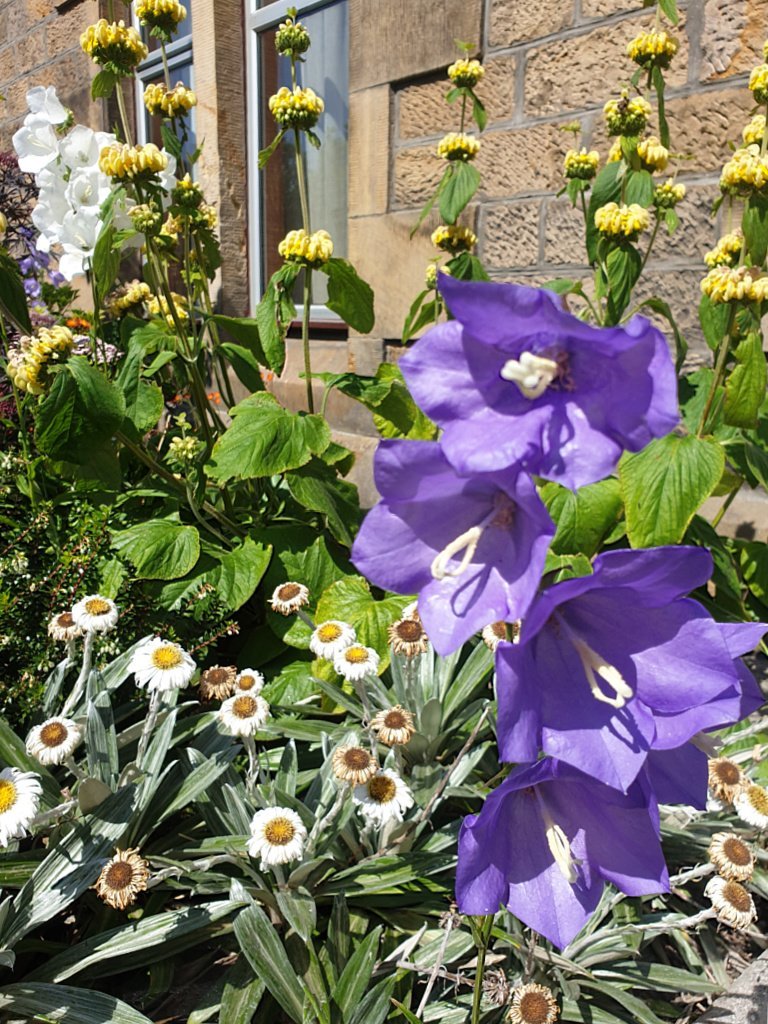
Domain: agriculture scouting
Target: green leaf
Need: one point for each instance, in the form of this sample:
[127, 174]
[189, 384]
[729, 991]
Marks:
[317, 488]
[639, 188]
[13, 299]
[479, 114]
[265, 952]
[427, 208]
[159, 549]
[299, 910]
[665, 484]
[460, 184]
[103, 85]
[274, 315]
[657, 77]
[265, 439]
[714, 318]
[624, 265]
[79, 414]
[144, 402]
[245, 365]
[564, 286]
[101, 742]
[745, 386]
[606, 188]
[672, 220]
[669, 7]
[265, 154]
[349, 295]
[466, 267]
[395, 414]
[583, 518]
[754, 224]
[351, 600]
[244, 330]
[105, 261]
[233, 574]
[351, 986]
[66, 1005]
[243, 991]
[753, 561]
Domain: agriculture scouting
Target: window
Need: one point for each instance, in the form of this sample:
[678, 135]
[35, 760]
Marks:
[151, 71]
[273, 194]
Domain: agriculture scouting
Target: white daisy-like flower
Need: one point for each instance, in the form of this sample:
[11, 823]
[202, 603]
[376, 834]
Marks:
[407, 637]
[353, 764]
[20, 794]
[731, 856]
[277, 836]
[217, 682]
[331, 637]
[395, 726]
[95, 614]
[533, 1004]
[243, 714]
[751, 805]
[289, 597]
[726, 779]
[498, 632]
[249, 681]
[411, 611]
[356, 662]
[162, 665]
[732, 903]
[63, 627]
[55, 740]
[384, 797]
[122, 879]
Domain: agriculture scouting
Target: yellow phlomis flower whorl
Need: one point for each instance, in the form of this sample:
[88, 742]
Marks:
[730, 284]
[130, 295]
[454, 238]
[121, 161]
[27, 364]
[458, 146]
[171, 102]
[466, 72]
[727, 251]
[668, 194]
[162, 14]
[581, 164]
[758, 83]
[747, 170]
[291, 38]
[614, 153]
[309, 250]
[753, 133]
[652, 49]
[626, 116]
[625, 222]
[299, 108]
[114, 44]
[653, 156]
[158, 306]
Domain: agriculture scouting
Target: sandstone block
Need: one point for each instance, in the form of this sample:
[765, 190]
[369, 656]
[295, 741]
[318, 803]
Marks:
[574, 73]
[63, 30]
[417, 173]
[696, 233]
[510, 235]
[404, 38]
[732, 36]
[702, 124]
[564, 233]
[602, 8]
[681, 291]
[369, 134]
[513, 21]
[522, 160]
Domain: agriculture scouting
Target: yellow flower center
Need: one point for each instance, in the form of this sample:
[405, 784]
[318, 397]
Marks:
[168, 656]
[758, 798]
[737, 896]
[246, 682]
[53, 734]
[382, 789]
[8, 795]
[244, 707]
[329, 632]
[119, 875]
[279, 831]
[97, 606]
[356, 655]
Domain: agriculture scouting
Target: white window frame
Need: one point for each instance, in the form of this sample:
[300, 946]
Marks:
[260, 19]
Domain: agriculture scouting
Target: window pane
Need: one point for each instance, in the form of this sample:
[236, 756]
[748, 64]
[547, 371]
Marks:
[325, 71]
[184, 29]
[181, 71]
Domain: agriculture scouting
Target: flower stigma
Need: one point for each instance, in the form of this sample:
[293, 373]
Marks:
[595, 665]
[501, 515]
[532, 374]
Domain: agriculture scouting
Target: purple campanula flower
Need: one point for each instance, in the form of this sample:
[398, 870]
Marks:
[473, 548]
[612, 665]
[547, 840]
[32, 287]
[515, 378]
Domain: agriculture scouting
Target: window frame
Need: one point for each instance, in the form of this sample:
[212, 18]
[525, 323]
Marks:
[257, 20]
[178, 52]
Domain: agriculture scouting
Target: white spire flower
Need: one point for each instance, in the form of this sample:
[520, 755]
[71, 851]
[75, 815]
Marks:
[356, 662]
[95, 614]
[331, 637]
[277, 836]
[20, 794]
[54, 740]
[243, 714]
[384, 797]
[162, 665]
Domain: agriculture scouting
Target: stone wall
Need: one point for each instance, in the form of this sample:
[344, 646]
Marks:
[548, 64]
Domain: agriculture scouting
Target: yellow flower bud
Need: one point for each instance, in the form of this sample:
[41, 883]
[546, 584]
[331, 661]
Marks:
[621, 222]
[454, 238]
[458, 146]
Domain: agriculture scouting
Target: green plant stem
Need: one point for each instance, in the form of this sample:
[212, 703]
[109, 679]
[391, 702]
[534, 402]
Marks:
[23, 438]
[126, 125]
[307, 300]
[725, 506]
[166, 69]
[650, 244]
[463, 110]
[722, 356]
[78, 689]
[482, 937]
[302, 182]
[149, 725]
